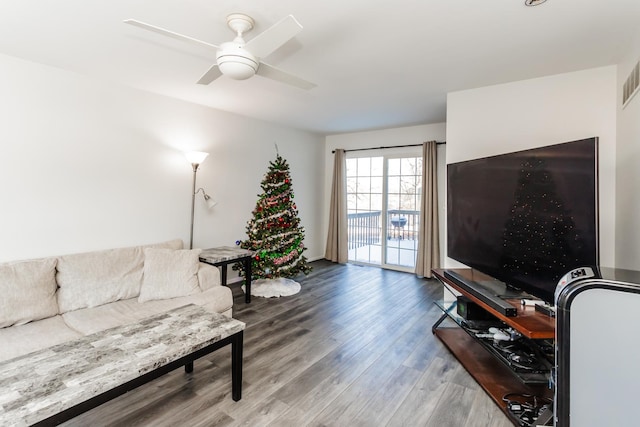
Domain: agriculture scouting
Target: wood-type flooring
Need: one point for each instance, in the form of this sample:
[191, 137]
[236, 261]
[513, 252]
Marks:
[353, 348]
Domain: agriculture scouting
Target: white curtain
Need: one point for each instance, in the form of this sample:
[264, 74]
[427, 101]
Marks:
[337, 249]
[428, 256]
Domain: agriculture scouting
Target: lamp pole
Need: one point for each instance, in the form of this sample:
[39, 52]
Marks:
[193, 202]
[195, 158]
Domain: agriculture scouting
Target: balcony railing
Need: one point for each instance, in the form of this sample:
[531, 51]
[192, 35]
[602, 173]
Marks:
[365, 228]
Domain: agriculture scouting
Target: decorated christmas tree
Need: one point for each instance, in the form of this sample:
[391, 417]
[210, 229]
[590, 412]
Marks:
[274, 233]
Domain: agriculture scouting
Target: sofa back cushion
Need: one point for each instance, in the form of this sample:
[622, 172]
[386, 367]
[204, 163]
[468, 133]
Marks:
[28, 291]
[169, 274]
[96, 278]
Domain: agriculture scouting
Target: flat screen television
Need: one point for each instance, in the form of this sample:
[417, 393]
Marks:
[526, 218]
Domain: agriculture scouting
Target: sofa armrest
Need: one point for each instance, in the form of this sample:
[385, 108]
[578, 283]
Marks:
[208, 276]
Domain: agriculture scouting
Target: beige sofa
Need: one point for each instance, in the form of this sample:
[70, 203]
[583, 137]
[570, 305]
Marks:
[52, 300]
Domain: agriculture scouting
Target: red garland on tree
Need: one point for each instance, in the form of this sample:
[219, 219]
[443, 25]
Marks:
[274, 232]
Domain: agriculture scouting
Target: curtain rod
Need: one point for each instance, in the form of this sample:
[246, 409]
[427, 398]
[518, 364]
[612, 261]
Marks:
[393, 146]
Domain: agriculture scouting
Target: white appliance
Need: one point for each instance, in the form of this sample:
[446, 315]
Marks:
[597, 348]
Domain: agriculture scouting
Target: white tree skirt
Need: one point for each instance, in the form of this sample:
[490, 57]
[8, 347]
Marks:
[270, 288]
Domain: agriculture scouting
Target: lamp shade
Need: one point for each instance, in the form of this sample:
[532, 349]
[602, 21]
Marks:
[196, 157]
[210, 202]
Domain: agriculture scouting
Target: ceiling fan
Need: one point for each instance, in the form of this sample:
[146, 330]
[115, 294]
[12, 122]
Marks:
[241, 60]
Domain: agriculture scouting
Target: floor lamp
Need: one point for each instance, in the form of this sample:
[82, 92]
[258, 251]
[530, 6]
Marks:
[196, 158]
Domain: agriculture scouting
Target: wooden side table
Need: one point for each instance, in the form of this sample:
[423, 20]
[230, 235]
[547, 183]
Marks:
[224, 255]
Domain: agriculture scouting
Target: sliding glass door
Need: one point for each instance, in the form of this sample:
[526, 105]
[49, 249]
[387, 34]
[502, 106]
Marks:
[365, 188]
[383, 199]
[404, 180]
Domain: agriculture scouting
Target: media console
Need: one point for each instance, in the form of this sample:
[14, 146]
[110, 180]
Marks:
[478, 356]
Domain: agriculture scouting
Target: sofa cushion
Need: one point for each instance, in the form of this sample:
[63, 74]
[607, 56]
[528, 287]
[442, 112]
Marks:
[208, 276]
[91, 320]
[28, 291]
[169, 273]
[94, 278]
[34, 336]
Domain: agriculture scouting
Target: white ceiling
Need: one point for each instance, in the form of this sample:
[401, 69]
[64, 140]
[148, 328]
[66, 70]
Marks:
[377, 63]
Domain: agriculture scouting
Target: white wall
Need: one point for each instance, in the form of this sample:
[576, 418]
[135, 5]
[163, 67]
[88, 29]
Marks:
[533, 113]
[86, 164]
[628, 171]
[385, 138]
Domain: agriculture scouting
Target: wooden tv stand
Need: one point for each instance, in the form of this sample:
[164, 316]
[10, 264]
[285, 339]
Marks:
[496, 379]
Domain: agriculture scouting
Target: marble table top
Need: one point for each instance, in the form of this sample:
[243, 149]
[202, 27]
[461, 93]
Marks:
[38, 385]
[223, 253]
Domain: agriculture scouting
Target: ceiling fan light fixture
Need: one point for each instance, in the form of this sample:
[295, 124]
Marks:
[235, 62]
[237, 67]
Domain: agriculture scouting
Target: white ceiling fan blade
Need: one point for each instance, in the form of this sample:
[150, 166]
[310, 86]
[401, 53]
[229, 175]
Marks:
[211, 74]
[169, 33]
[274, 37]
[271, 72]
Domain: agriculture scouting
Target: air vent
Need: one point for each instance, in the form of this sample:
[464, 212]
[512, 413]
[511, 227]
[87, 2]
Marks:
[631, 85]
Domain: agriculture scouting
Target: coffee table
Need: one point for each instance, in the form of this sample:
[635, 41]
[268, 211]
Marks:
[222, 256]
[53, 385]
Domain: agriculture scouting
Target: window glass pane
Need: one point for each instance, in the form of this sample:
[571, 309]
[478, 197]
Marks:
[408, 184]
[364, 184]
[351, 185]
[352, 167]
[375, 254]
[392, 255]
[393, 167]
[376, 166]
[408, 203]
[364, 166]
[408, 166]
[376, 185]
[363, 202]
[407, 258]
[393, 201]
[376, 202]
[393, 185]
[351, 202]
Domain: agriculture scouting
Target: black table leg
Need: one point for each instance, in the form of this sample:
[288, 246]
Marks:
[247, 280]
[188, 368]
[224, 274]
[440, 320]
[236, 366]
